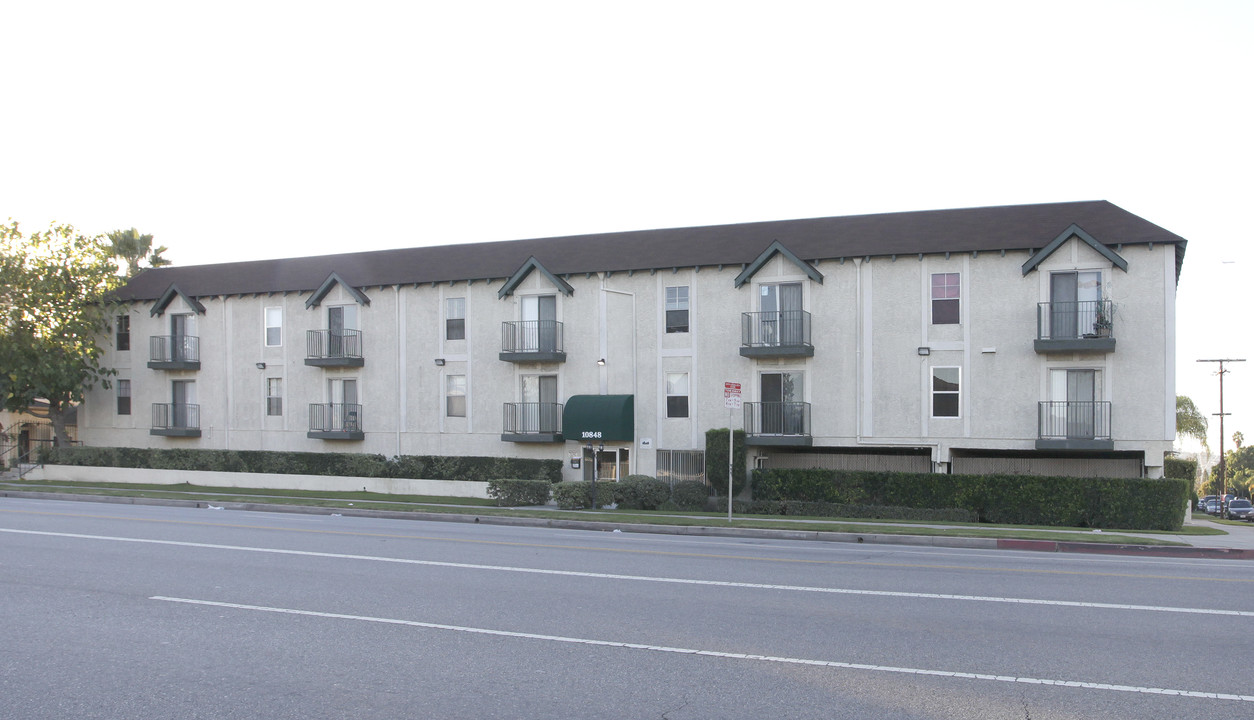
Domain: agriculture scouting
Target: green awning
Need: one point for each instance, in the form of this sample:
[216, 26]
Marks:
[599, 418]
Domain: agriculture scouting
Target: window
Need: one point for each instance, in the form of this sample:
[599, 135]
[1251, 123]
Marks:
[945, 381]
[123, 336]
[274, 326]
[124, 397]
[945, 298]
[274, 396]
[455, 319]
[677, 395]
[677, 309]
[455, 405]
[679, 465]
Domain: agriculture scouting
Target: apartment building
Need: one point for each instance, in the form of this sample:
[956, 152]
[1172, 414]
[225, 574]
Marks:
[1032, 339]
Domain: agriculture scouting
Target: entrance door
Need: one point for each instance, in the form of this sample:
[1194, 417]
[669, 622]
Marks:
[611, 464]
[539, 404]
[1074, 298]
[782, 395]
[181, 331]
[539, 314]
[1073, 398]
[780, 314]
[183, 398]
[344, 410]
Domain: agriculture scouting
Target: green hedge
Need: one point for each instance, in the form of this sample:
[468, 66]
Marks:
[838, 510]
[1174, 467]
[515, 493]
[424, 467]
[1131, 503]
[716, 459]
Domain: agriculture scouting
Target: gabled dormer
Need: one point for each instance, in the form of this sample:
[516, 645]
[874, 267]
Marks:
[339, 342]
[1075, 314]
[180, 349]
[779, 325]
[537, 335]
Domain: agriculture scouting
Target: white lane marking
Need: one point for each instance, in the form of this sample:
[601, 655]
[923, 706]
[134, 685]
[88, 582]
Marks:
[716, 653]
[644, 578]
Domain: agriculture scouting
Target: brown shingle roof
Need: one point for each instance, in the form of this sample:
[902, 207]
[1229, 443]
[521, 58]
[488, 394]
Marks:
[1015, 227]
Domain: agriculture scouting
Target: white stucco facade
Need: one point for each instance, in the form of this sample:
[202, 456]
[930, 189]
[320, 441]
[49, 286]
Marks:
[865, 374]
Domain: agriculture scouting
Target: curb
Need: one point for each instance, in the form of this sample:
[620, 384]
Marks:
[1169, 551]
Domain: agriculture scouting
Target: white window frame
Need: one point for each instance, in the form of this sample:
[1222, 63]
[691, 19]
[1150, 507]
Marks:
[455, 389]
[267, 325]
[454, 309]
[678, 298]
[933, 392]
[956, 299]
[274, 397]
[674, 380]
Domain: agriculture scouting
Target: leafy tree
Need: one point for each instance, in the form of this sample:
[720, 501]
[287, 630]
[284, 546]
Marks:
[1240, 469]
[1190, 421]
[133, 248]
[53, 286]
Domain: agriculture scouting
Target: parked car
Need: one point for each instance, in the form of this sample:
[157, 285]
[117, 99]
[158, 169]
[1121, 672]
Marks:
[1213, 507]
[1201, 502]
[1239, 509]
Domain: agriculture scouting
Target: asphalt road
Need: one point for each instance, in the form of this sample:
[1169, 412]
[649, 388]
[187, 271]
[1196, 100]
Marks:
[119, 611]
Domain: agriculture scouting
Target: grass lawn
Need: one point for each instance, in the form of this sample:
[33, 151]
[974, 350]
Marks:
[481, 507]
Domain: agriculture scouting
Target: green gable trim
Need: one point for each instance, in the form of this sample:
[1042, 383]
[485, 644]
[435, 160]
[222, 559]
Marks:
[521, 274]
[777, 247]
[316, 299]
[1074, 231]
[599, 418]
[168, 297]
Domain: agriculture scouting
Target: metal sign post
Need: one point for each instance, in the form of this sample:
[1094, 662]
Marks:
[731, 398]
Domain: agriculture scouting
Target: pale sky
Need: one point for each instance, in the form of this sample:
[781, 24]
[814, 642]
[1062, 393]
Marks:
[247, 130]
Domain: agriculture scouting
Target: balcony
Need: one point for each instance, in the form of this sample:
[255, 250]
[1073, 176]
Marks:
[174, 352]
[778, 423]
[1086, 326]
[534, 422]
[1074, 425]
[532, 341]
[339, 348]
[783, 333]
[335, 421]
[175, 420]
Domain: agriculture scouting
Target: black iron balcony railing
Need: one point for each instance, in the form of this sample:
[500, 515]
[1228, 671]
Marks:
[540, 340]
[777, 418]
[1074, 420]
[174, 352]
[340, 348]
[527, 418]
[175, 419]
[784, 332]
[342, 420]
[1088, 319]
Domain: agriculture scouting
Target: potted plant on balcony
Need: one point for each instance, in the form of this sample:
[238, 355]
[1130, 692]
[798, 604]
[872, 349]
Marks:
[1102, 323]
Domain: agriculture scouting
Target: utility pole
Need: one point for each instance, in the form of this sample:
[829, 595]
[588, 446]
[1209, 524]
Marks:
[1223, 463]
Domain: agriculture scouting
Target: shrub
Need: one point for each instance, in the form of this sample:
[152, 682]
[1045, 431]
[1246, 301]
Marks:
[1180, 468]
[578, 494]
[716, 459]
[641, 492]
[690, 495]
[512, 493]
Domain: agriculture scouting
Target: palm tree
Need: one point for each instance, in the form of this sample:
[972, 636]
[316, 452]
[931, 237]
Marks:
[1190, 422]
[133, 248]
